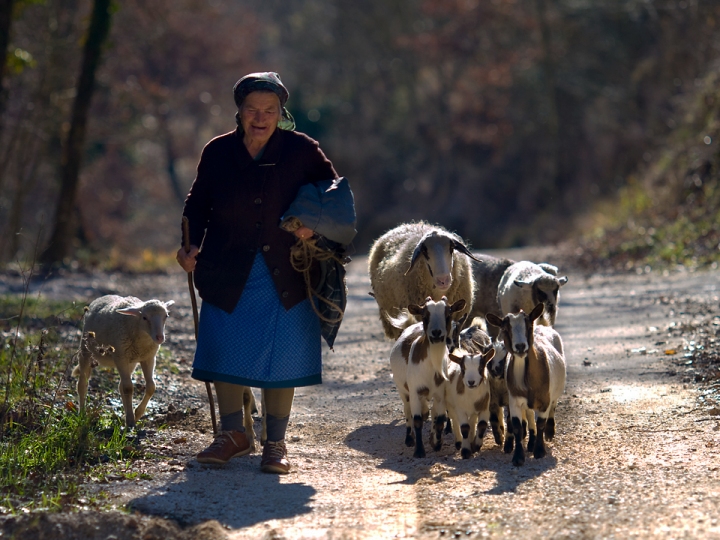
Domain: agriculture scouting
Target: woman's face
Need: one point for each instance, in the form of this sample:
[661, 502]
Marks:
[259, 116]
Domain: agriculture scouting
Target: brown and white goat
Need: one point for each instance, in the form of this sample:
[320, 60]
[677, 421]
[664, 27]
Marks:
[419, 364]
[535, 376]
[467, 398]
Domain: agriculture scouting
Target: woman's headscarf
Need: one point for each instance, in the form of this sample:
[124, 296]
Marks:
[269, 82]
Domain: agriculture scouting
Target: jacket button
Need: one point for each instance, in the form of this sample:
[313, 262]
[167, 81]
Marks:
[276, 272]
[258, 201]
[266, 247]
[285, 294]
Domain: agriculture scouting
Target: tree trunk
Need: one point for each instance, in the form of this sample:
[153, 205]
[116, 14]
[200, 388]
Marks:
[550, 155]
[6, 10]
[63, 231]
[171, 160]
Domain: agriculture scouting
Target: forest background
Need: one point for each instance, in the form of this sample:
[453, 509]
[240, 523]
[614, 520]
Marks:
[511, 122]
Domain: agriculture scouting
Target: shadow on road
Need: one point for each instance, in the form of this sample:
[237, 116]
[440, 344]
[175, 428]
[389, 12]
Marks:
[227, 494]
[386, 441]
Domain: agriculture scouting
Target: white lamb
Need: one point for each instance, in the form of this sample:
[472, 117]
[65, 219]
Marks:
[535, 376]
[526, 284]
[413, 261]
[419, 366]
[122, 332]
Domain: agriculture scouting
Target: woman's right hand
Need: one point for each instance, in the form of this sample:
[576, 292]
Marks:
[187, 259]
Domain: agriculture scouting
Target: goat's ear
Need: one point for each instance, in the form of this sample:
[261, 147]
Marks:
[129, 311]
[458, 306]
[418, 250]
[415, 309]
[562, 281]
[462, 320]
[521, 284]
[487, 356]
[169, 303]
[494, 319]
[537, 311]
[462, 248]
[457, 356]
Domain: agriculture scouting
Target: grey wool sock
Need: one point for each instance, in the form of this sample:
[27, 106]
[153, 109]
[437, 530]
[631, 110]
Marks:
[232, 421]
[276, 427]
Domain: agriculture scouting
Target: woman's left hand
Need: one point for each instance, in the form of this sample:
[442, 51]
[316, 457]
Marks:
[304, 233]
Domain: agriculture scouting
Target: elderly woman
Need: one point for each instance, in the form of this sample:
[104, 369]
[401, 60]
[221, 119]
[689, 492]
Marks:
[257, 327]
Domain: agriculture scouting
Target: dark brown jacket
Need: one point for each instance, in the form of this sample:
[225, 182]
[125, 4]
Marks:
[234, 209]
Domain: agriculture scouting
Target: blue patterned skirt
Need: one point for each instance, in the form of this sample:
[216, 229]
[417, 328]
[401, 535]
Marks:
[259, 344]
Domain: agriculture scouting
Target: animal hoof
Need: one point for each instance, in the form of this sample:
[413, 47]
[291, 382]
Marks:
[539, 452]
[465, 453]
[474, 448]
[508, 445]
[498, 438]
[419, 453]
[458, 444]
[518, 461]
[409, 442]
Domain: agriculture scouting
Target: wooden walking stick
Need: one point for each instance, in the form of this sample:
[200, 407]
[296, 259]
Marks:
[193, 300]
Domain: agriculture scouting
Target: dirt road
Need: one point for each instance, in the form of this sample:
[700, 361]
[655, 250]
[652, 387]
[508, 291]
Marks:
[637, 452]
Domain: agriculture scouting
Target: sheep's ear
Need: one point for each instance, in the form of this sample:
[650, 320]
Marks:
[480, 346]
[462, 248]
[562, 281]
[458, 306]
[537, 311]
[521, 284]
[418, 249]
[130, 311]
[169, 303]
[549, 268]
[415, 309]
[494, 319]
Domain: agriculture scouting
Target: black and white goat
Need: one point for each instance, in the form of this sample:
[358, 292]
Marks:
[535, 376]
[419, 364]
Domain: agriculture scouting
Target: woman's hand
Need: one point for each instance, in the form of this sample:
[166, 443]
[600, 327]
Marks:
[304, 233]
[187, 259]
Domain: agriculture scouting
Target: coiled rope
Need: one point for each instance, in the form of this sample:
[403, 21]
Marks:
[302, 255]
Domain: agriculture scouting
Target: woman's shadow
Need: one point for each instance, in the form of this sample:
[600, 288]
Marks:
[387, 442]
[237, 495]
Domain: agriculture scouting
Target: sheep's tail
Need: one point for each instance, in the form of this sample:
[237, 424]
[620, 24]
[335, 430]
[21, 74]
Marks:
[402, 321]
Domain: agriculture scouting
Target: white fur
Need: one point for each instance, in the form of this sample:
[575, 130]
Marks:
[524, 284]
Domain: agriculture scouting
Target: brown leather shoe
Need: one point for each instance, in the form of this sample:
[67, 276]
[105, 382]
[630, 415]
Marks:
[274, 458]
[227, 445]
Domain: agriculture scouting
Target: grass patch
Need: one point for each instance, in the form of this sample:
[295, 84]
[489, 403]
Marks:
[47, 447]
[669, 215]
